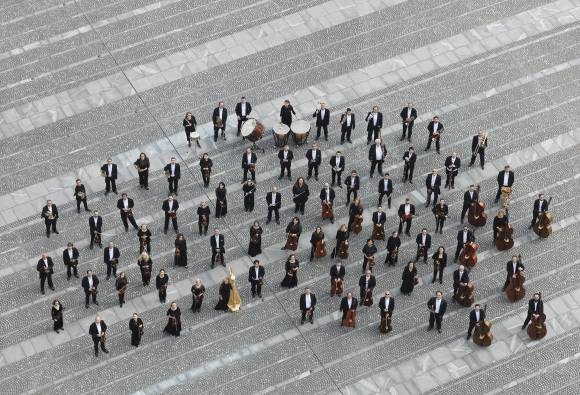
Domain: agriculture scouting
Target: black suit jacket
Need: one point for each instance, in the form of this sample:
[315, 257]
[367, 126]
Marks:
[66, 257]
[343, 121]
[348, 181]
[473, 320]
[239, 109]
[85, 284]
[45, 210]
[216, 114]
[98, 226]
[303, 301]
[177, 171]
[80, 188]
[165, 205]
[538, 310]
[289, 156]
[373, 153]
[442, 307]
[318, 156]
[437, 185]
[116, 254]
[468, 199]
[464, 278]
[121, 206]
[341, 162]
[449, 169]
[389, 189]
[510, 178]
[537, 206]
[252, 273]
[509, 267]
[419, 239]
[344, 304]
[278, 199]
[401, 210]
[370, 124]
[322, 121]
[323, 194]
[253, 159]
[334, 272]
[475, 141]
[40, 265]
[470, 236]
[113, 171]
[93, 329]
[382, 220]
[411, 159]
[372, 282]
[404, 114]
[221, 241]
[382, 303]
[431, 126]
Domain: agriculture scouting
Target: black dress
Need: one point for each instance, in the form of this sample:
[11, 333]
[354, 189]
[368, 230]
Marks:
[221, 203]
[341, 237]
[57, 318]
[300, 194]
[197, 297]
[173, 326]
[408, 281]
[291, 278]
[222, 304]
[181, 246]
[255, 246]
[136, 328]
[144, 241]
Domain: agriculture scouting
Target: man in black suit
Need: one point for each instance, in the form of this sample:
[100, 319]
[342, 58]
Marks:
[243, 110]
[408, 116]
[285, 156]
[80, 195]
[385, 188]
[374, 121]
[409, 158]
[173, 173]
[347, 125]
[97, 331]
[249, 160]
[433, 185]
[314, 156]
[70, 258]
[45, 268]
[535, 308]
[337, 163]
[170, 207]
[478, 146]
[337, 273]
[348, 303]
[219, 118]
[286, 113]
[111, 255]
[307, 304]
[469, 197]
[460, 277]
[435, 129]
[90, 282]
[377, 155]
[256, 278]
[423, 241]
[540, 206]
[352, 183]
[327, 196]
[95, 227]
[322, 120]
[50, 215]
[387, 306]
[217, 247]
[379, 217]
[109, 171]
[463, 236]
[505, 178]
[125, 206]
[406, 212]
[274, 201]
[476, 316]
[512, 267]
[366, 282]
[437, 306]
[452, 165]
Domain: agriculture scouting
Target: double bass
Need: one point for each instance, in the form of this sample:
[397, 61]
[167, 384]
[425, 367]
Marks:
[516, 290]
[468, 256]
[342, 249]
[477, 216]
[465, 295]
[537, 328]
[327, 212]
[336, 286]
[505, 239]
[350, 319]
[320, 250]
[543, 225]
[482, 334]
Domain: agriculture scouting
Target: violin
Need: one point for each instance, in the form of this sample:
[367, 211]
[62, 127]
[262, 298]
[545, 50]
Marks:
[368, 301]
[543, 225]
[482, 334]
[516, 290]
[327, 210]
[343, 249]
[378, 232]
[505, 239]
[537, 328]
[320, 250]
[357, 223]
[477, 216]
[468, 257]
[465, 295]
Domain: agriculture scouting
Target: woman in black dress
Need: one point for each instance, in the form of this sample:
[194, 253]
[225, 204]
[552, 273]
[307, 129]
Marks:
[224, 295]
[293, 228]
[249, 189]
[144, 235]
[197, 291]
[221, 201]
[189, 124]
[161, 283]
[409, 278]
[255, 246]
[203, 213]
[142, 165]
[136, 328]
[121, 284]
[369, 250]
[439, 263]
[291, 278]
[342, 235]
[145, 264]
[180, 251]
[300, 193]
[57, 315]
[173, 326]
[205, 164]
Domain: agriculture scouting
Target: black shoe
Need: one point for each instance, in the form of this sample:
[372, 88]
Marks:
[97, 303]
[96, 353]
[165, 232]
[311, 322]
[42, 292]
[108, 277]
[427, 149]
[439, 154]
[105, 350]
[47, 234]
[189, 143]
[126, 229]
[106, 193]
[439, 330]
[308, 178]
[316, 178]
[349, 141]
[280, 177]
[468, 337]
[523, 327]
[289, 178]
[402, 138]
[52, 288]
[340, 186]
[430, 328]
[301, 322]
[253, 295]
[267, 222]
[223, 264]
[86, 306]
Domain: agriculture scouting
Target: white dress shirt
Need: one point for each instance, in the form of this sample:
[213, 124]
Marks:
[243, 109]
[348, 120]
[506, 177]
[110, 170]
[307, 301]
[172, 170]
[437, 306]
[378, 152]
[375, 116]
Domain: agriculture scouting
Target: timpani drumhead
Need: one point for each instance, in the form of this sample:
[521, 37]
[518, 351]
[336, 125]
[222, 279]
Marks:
[281, 129]
[248, 127]
[300, 127]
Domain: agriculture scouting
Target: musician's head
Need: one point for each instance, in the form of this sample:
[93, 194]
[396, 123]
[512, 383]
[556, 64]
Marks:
[314, 145]
[506, 167]
[124, 195]
[472, 187]
[435, 119]
[441, 249]
[461, 268]
[243, 99]
[387, 294]
[338, 263]
[441, 201]
[395, 234]
[368, 273]
[370, 242]
[173, 306]
[410, 264]
[286, 102]
[477, 307]
[216, 231]
[349, 295]
[411, 149]
[256, 262]
[407, 200]
[48, 202]
[69, 245]
[348, 111]
[541, 196]
[78, 181]
[180, 236]
[439, 295]
[377, 141]
[142, 155]
[162, 273]
[286, 148]
[98, 319]
[144, 256]
[338, 153]
[256, 224]
[89, 273]
[109, 161]
[274, 188]
[221, 185]
[375, 108]
[173, 160]
[170, 198]
[205, 155]
[296, 220]
[122, 275]
[96, 213]
[326, 185]
[322, 104]
[409, 104]
[380, 209]
[514, 258]
[537, 296]
[221, 104]
[353, 173]
[188, 114]
[307, 291]
[454, 154]
[248, 150]
[143, 227]
[110, 244]
[203, 204]
[424, 231]
[386, 176]
[44, 255]
[135, 316]
[318, 229]
[433, 171]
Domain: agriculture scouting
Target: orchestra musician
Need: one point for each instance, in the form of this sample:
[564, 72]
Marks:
[437, 306]
[423, 241]
[476, 317]
[409, 278]
[505, 178]
[374, 125]
[337, 273]
[393, 245]
[172, 171]
[109, 171]
[203, 213]
[189, 124]
[342, 235]
[439, 263]
[377, 155]
[57, 314]
[173, 326]
[369, 250]
[255, 245]
[512, 267]
[274, 202]
[249, 188]
[469, 197]
[144, 235]
[50, 215]
[145, 264]
[293, 231]
[95, 228]
[285, 156]
[452, 165]
[348, 304]
[499, 221]
[460, 277]
[221, 204]
[463, 236]
[243, 110]
[441, 211]
[347, 125]
[217, 247]
[317, 236]
[352, 183]
[45, 269]
[409, 159]
[256, 278]
[219, 119]
[322, 116]
[142, 165]
[406, 212]
[205, 165]
[478, 146]
[170, 206]
[387, 306]
[433, 185]
[379, 218]
[80, 195]
[136, 328]
[70, 258]
[161, 282]
[356, 208]
[125, 206]
[327, 197]
[408, 116]
[307, 304]
[286, 113]
[367, 283]
[535, 308]
[300, 195]
[290, 279]
[90, 282]
[435, 129]
[197, 291]
[314, 157]
[249, 160]
[385, 188]
[121, 284]
[337, 164]
[540, 206]
[180, 256]
[97, 331]
[111, 255]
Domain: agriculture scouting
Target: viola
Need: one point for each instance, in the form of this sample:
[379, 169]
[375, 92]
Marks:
[378, 232]
[368, 301]
[343, 249]
[468, 256]
[537, 328]
[357, 223]
[465, 295]
[327, 212]
[516, 290]
[336, 286]
[505, 239]
[320, 250]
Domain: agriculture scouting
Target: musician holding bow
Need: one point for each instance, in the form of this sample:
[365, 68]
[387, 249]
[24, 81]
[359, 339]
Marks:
[377, 156]
[387, 306]
[348, 306]
[469, 197]
[460, 278]
[145, 264]
[249, 189]
[433, 185]
[512, 268]
[109, 171]
[379, 218]
[337, 163]
[369, 250]
[540, 206]
[441, 211]
[337, 273]
[111, 255]
[535, 308]
[189, 124]
[437, 307]
[217, 247]
[393, 244]
[316, 238]
[125, 206]
[314, 157]
[406, 212]
[307, 304]
[327, 201]
[161, 282]
[95, 229]
[170, 207]
[505, 178]
[352, 183]
[385, 188]
[203, 213]
[374, 121]
[97, 331]
[476, 317]
[205, 165]
[409, 159]
[144, 235]
[367, 283]
[423, 241]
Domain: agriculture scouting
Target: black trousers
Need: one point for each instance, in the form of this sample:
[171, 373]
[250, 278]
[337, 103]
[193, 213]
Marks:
[173, 184]
[458, 250]
[216, 130]
[88, 295]
[285, 166]
[202, 228]
[464, 210]
[435, 319]
[71, 269]
[219, 255]
[391, 260]
[50, 224]
[481, 158]
[240, 122]
[388, 199]
[373, 133]
[93, 235]
[471, 328]
[527, 320]
[438, 273]
[450, 180]
[336, 177]
[348, 192]
[96, 342]
[249, 202]
[276, 213]
[256, 287]
[345, 132]
[121, 298]
[313, 166]
[304, 315]
[439, 222]
[408, 172]
[111, 269]
[435, 193]
[144, 178]
[205, 177]
[437, 143]
[252, 173]
[43, 278]
[173, 222]
[130, 218]
[84, 202]
[407, 130]
[299, 206]
[408, 226]
[162, 294]
[325, 127]
[378, 164]
[110, 183]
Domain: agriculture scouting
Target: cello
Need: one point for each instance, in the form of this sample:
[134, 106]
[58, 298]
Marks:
[505, 239]
[291, 242]
[368, 300]
[477, 216]
[327, 212]
[483, 336]
[385, 326]
[468, 256]
[343, 249]
[465, 295]
[336, 286]
[516, 290]
[543, 225]
[378, 232]
[357, 223]
[320, 251]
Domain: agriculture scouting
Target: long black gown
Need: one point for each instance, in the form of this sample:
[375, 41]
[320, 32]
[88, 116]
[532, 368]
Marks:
[181, 260]
[290, 280]
[136, 328]
[222, 304]
[197, 297]
[173, 326]
[255, 246]
[221, 203]
[408, 281]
